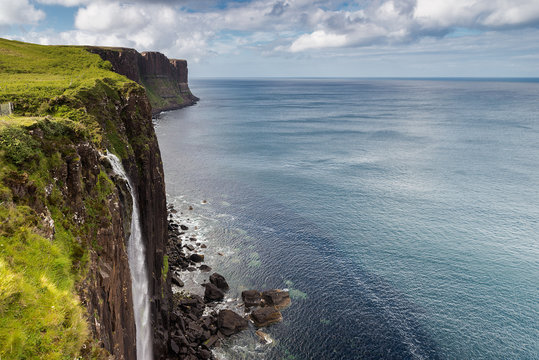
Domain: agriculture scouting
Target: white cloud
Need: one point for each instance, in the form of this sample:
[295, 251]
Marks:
[64, 2]
[19, 12]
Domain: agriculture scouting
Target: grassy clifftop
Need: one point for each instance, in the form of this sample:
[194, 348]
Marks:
[64, 102]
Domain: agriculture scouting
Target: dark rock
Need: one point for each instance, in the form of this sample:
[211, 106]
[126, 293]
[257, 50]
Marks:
[190, 247]
[213, 293]
[219, 281]
[174, 347]
[211, 341]
[251, 298]
[196, 257]
[205, 268]
[191, 269]
[204, 246]
[204, 354]
[176, 280]
[266, 316]
[230, 323]
[278, 298]
[183, 227]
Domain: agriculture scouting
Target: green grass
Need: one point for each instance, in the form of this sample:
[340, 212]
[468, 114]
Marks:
[62, 96]
[32, 75]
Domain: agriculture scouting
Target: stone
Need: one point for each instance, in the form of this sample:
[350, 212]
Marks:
[183, 227]
[219, 281]
[263, 337]
[251, 298]
[211, 341]
[190, 247]
[230, 323]
[176, 280]
[266, 316]
[213, 293]
[278, 298]
[196, 258]
[203, 246]
[204, 268]
[174, 347]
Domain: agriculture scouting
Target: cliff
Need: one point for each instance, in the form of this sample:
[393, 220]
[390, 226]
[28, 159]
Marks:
[65, 286]
[165, 80]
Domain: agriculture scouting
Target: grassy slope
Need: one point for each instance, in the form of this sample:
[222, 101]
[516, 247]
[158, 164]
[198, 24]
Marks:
[40, 314]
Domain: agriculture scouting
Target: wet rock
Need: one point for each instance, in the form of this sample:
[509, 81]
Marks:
[190, 247]
[230, 323]
[213, 293]
[191, 269]
[203, 246]
[196, 258]
[205, 268]
[176, 280]
[278, 298]
[219, 281]
[251, 298]
[183, 227]
[190, 207]
[266, 316]
[263, 337]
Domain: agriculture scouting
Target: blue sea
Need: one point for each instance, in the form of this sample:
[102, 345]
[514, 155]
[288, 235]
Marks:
[402, 215]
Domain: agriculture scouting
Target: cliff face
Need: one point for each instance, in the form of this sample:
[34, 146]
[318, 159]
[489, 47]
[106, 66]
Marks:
[65, 216]
[165, 80]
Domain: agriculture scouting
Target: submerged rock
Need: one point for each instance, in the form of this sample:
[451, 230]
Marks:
[230, 323]
[278, 298]
[219, 281]
[263, 337]
[266, 316]
[251, 298]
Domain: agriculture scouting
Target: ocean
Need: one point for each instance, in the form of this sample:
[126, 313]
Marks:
[401, 214]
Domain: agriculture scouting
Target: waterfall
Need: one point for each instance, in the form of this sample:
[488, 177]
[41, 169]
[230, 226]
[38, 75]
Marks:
[137, 268]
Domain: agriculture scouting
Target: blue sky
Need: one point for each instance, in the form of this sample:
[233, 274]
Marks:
[354, 38]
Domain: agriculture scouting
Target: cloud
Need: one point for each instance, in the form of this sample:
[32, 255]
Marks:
[19, 12]
[402, 21]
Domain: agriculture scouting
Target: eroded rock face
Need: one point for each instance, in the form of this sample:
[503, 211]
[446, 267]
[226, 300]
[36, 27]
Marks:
[166, 78]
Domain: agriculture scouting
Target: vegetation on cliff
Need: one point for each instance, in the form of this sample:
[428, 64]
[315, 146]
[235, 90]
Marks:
[54, 202]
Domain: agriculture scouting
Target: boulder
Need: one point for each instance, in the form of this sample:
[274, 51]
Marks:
[251, 298]
[266, 316]
[278, 298]
[196, 258]
[176, 280]
[263, 337]
[219, 281]
[230, 323]
[213, 293]
[204, 268]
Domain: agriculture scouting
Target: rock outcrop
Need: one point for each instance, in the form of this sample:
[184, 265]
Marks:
[165, 80]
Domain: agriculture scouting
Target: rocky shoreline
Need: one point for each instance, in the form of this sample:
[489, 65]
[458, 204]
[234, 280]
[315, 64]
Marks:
[197, 323]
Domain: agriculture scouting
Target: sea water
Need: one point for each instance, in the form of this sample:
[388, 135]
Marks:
[402, 215]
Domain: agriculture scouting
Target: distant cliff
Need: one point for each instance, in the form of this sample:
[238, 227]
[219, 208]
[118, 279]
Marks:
[165, 80]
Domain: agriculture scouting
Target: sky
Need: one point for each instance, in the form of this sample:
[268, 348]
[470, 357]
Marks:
[299, 38]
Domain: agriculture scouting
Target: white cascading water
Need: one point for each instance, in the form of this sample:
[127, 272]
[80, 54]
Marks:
[137, 268]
